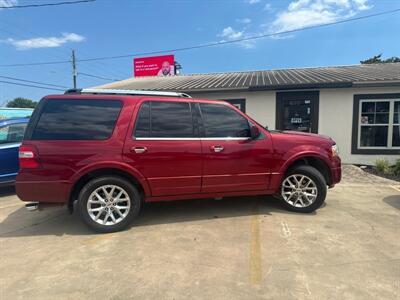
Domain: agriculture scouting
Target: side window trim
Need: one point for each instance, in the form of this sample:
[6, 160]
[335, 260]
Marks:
[199, 117]
[195, 120]
[136, 121]
[34, 119]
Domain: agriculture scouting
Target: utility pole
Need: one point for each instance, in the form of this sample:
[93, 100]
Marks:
[74, 73]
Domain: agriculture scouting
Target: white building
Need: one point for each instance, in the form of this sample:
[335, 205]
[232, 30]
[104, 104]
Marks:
[358, 106]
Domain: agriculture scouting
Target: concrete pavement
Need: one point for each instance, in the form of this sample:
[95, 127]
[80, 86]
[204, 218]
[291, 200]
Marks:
[236, 248]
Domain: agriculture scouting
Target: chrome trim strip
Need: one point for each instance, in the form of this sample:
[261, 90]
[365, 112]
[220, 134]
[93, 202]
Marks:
[225, 139]
[134, 92]
[8, 175]
[237, 175]
[193, 139]
[10, 145]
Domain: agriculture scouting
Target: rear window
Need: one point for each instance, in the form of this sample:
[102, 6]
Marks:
[77, 120]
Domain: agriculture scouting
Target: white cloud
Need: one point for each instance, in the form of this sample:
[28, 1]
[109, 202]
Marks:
[230, 34]
[44, 42]
[298, 14]
[8, 3]
[252, 1]
[244, 21]
[304, 13]
[267, 6]
[362, 4]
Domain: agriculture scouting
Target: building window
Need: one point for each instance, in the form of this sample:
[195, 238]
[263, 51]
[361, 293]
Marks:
[238, 103]
[376, 124]
[396, 124]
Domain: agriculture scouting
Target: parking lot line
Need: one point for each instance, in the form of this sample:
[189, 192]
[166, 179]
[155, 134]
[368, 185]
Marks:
[397, 188]
[255, 249]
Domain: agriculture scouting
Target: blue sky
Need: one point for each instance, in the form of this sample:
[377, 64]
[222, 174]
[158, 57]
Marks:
[115, 27]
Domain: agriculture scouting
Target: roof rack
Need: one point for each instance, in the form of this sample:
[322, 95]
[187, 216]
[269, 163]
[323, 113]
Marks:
[127, 92]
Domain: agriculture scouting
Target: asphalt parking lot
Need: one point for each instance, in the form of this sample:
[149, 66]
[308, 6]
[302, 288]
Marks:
[236, 248]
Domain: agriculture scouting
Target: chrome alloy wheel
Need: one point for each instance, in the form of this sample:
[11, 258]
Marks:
[108, 204]
[299, 190]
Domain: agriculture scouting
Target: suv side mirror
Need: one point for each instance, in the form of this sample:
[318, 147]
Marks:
[254, 132]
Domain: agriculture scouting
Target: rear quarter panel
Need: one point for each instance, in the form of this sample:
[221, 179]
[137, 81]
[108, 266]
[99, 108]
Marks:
[63, 162]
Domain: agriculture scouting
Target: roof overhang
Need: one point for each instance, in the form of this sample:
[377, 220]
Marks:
[333, 85]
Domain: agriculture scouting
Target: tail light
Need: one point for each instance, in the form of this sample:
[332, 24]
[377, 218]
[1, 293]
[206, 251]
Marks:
[28, 157]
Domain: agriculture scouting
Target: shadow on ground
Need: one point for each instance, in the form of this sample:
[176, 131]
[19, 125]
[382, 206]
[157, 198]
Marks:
[393, 201]
[7, 191]
[57, 221]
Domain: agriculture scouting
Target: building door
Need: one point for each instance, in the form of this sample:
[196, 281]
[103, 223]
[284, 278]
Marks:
[297, 111]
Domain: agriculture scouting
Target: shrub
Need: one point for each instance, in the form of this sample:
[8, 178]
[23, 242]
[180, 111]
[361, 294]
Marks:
[396, 167]
[382, 165]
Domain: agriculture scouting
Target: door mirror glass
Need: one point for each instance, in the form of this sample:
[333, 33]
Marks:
[255, 132]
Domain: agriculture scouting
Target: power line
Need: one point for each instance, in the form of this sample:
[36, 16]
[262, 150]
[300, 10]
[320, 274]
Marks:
[208, 44]
[109, 71]
[29, 85]
[39, 64]
[48, 4]
[36, 82]
[99, 77]
[23, 32]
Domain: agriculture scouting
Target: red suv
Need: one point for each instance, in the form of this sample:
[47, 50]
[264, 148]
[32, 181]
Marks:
[113, 150]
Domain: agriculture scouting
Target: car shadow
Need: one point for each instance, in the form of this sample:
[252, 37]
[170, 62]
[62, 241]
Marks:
[7, 191]
[58, 221]
[393, 201]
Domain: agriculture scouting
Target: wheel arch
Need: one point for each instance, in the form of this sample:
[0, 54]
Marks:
[313, 160]
[85, 177]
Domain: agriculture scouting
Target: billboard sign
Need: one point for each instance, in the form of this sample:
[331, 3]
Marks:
[154, 66]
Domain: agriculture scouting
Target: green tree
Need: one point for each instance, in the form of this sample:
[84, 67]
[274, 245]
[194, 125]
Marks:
[378, 60]
[22, 103]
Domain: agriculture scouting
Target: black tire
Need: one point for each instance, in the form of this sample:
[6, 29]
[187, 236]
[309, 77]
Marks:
[128, 187]
[320, 184]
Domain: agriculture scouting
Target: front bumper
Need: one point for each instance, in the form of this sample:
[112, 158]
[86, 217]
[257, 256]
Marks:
[336, 176]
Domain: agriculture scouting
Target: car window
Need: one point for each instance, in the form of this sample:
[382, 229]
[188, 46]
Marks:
[77, 120]
[13, 133]
[223, 121]
[143, 121]
[159, 119]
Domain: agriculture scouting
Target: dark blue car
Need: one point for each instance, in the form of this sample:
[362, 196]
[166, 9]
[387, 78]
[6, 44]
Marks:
[11, 134]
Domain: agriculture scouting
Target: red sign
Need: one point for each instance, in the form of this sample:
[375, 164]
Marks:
[154, 66]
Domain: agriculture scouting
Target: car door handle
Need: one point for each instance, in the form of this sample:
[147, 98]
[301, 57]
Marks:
[139, 149]
[217, 148]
